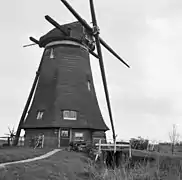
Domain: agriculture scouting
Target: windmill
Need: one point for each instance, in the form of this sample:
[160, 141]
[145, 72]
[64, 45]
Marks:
[11, 133]
[9, 136]
[59, 84]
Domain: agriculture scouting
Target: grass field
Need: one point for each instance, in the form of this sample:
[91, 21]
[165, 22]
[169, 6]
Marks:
[163, 167]
[61, 166]
[154, 154]
[76, 166]
[10, 154]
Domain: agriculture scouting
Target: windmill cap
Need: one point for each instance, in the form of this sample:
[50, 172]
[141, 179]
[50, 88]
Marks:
[75, 28]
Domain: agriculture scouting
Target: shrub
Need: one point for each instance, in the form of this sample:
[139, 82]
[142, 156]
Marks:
[139, 143]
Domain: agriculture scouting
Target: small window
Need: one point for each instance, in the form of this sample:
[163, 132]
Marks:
[88, 80]
[64, 133]
[69, 31]
[79, 136]
[40, 114]
[52, 53]
[89, 85]
[96, 140]
[69, 115]
[46, 52]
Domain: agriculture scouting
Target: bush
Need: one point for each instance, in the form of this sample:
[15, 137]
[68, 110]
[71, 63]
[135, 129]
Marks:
[73, 146]
[139, 143]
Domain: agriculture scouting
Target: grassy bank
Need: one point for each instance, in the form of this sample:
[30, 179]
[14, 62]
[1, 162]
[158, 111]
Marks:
[61, 166]
[163, 167]
[10, 154]
[76, 166]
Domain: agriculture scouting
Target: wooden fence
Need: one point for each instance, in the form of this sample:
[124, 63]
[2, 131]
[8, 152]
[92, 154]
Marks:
[110, 146]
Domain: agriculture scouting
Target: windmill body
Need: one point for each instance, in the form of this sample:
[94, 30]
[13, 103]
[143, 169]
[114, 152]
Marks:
[65, 107]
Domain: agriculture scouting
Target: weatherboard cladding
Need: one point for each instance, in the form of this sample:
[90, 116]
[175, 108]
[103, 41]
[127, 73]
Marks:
[50, 137]
[62, 85]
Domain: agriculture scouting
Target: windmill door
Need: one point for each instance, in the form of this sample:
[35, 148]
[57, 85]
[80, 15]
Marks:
[64, 137]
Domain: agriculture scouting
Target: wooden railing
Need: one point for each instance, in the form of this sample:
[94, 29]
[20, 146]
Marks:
[37, 141]
[117, 146]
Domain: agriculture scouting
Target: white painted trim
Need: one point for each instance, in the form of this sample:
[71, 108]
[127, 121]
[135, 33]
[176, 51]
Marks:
[69, 115]
[59, 137]
[71, 134]
[117, 145]
[42, 140]
[69, 118]
[65, 42]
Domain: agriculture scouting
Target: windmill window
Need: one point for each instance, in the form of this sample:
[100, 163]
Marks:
[89, 85]
[52, 53]
[69, 115]
[46, 52]
[78, 136]
[40, 115]
[69, 31]
[96, 140]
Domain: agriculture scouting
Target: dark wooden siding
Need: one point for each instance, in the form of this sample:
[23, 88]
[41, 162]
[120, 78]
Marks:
[63, 85]
[50, 137]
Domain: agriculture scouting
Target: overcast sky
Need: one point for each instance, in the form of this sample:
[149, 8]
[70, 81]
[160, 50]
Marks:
[146, 99]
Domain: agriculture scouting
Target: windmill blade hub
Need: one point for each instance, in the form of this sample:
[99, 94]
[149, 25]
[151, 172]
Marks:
[95, 30]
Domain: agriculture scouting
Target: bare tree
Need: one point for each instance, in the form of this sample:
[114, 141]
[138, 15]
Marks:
[174, 137]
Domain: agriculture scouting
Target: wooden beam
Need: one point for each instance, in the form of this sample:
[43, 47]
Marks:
[112, 145]
[59, 137]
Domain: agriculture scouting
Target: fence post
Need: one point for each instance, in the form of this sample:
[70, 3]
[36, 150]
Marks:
[115, 146]
[99, 150]
[59, 137]
[42, 141]
[99, 145]
[130, 151]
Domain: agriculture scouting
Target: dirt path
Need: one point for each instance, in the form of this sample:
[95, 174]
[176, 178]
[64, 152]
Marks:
[32, 159]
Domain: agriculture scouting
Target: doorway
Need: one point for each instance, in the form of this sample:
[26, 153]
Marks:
[64, 136]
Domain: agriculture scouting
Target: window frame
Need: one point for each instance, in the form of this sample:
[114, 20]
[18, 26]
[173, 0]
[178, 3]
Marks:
[66, 117]
[40, 114]
[66, 132]
[89, 85]
[76, 138]
[51, 56]
[96, 140]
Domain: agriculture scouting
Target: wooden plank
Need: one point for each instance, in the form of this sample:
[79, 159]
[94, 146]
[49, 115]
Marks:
[105, 149]
[59, 137]
[117, 145]
[112, 149]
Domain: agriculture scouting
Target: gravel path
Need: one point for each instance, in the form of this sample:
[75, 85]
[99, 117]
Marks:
[32, 159]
